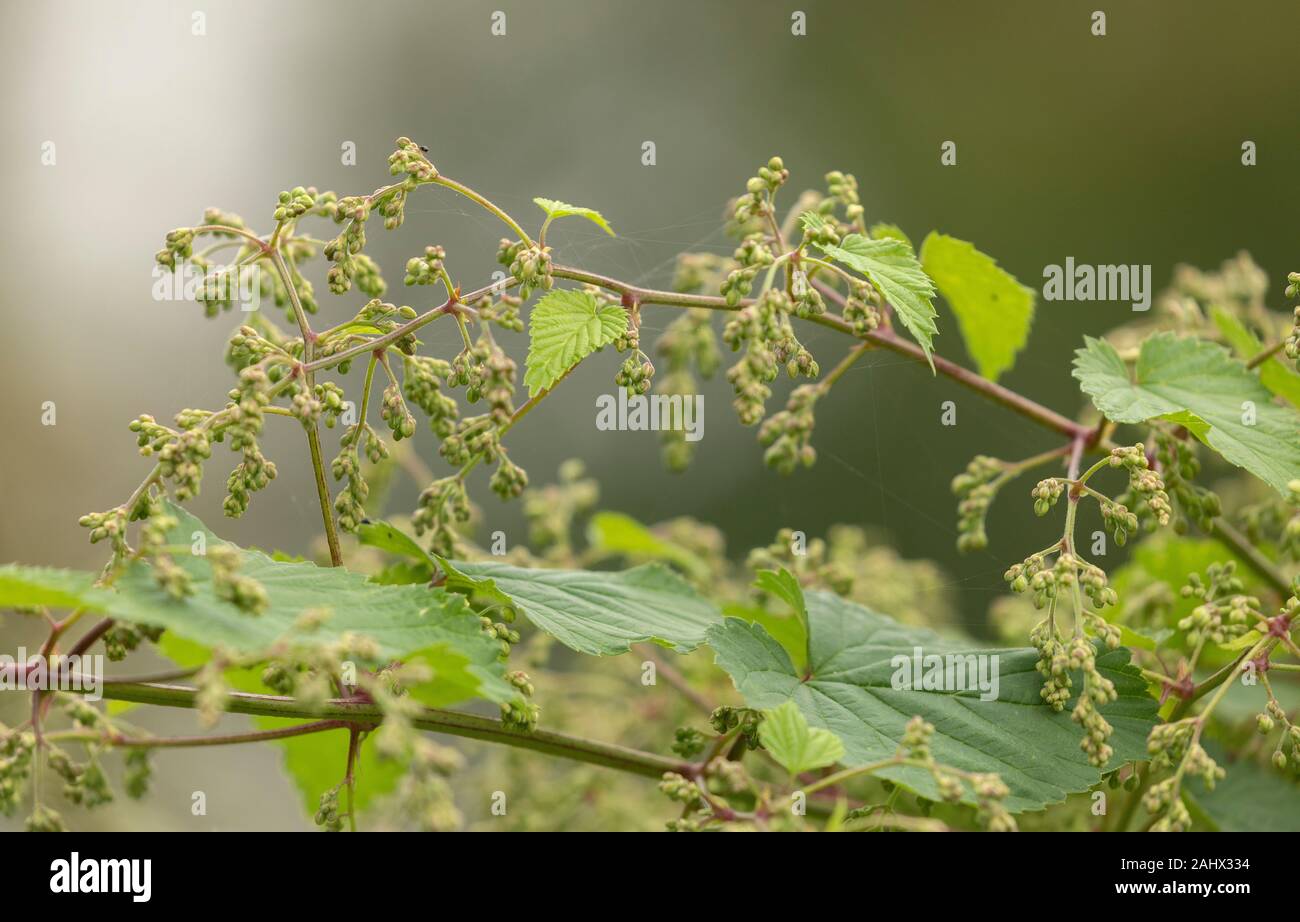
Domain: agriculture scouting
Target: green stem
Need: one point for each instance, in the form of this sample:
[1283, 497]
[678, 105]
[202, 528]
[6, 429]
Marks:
[179, 742]
[475, 197]
[1263, 356]
[313, 431]
[845, 364]
[323, 495]
[453, 723]
[350, 779]
[884, 338]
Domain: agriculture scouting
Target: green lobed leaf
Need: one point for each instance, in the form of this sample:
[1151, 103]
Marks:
[564, 328]
[1198, 385]
[1280, 378]
[848, 689]
[994, 311]
[556, 209]
[786, 736]
[403, 621]
[891, 266]
[599, 613]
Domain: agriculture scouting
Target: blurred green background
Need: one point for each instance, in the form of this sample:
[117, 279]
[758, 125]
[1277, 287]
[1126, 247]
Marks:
[1116, 149]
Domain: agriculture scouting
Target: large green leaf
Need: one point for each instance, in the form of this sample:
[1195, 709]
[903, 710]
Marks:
[564, 328]
[595, 612]
[1278, 376]
[849, 690]
[1198, 385]
[891, 266]
[410, 622]
[993, 310]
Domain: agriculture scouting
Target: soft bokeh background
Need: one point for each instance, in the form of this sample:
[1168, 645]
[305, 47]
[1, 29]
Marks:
[1117, 149]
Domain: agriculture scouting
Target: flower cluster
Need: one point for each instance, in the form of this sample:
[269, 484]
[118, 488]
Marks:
[504, 312]
[443, 506]
[394, 412]
[1177, 745]
[350, 504]
[422, 382]
[427, 269]
[350, 264]
[409, 158]
[293, 204]
[1035, 575]
[1146, 488]
[16, 749]
[1179, 465]
[788, 434]
[1224, 613]
[246, 417]
[688, 345]
[172, 578]
[989, 790]
[529, 265]
[228, 583]
[976, 488]
[765, 331]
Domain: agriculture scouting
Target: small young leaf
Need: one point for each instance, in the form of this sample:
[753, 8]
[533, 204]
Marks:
[616, 533]
[813, 222]
[884, 230]
[786, 736]
[595, 612]
[556, 209]
[389, 538]
[564, 328]
[1198, 385]
[783, 584]
[891, 267]
[993, 310]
